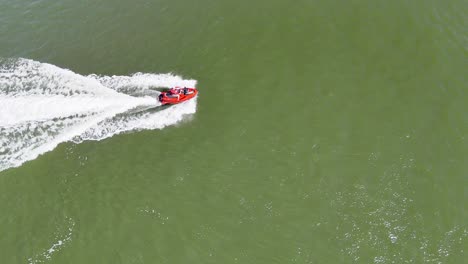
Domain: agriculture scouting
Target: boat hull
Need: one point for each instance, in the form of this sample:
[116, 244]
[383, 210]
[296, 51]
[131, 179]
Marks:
[168, 98]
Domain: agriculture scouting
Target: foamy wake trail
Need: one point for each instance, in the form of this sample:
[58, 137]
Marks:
[42, 105]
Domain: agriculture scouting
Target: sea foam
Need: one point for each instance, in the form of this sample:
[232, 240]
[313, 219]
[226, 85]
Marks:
[42, 105]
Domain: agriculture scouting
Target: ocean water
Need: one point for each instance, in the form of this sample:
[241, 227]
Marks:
[324, 132]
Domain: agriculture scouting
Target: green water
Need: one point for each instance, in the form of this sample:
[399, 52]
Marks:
[325, 132]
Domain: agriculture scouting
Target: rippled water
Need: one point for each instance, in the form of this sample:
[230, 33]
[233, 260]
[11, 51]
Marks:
[325, 132]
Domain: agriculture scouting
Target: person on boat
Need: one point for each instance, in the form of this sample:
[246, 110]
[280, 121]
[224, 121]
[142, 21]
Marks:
[187, 91]
[174, 93]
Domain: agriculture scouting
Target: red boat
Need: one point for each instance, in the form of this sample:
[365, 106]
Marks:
[177, 95]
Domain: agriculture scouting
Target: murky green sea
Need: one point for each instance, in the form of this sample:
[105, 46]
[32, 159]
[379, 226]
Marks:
[325, 132]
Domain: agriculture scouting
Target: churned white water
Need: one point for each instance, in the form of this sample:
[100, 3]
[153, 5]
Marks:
[42, 105]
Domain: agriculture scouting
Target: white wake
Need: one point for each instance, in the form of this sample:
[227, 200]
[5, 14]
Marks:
[42, 105]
